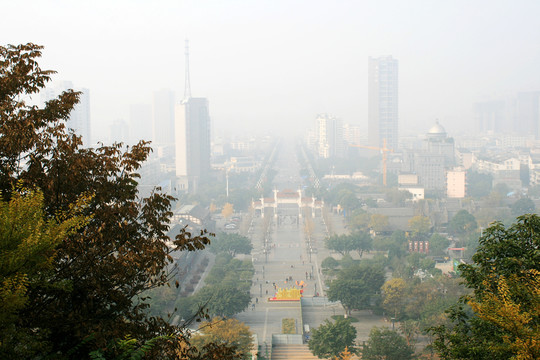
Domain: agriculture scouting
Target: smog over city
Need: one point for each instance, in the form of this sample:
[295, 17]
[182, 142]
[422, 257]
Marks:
[269, 179]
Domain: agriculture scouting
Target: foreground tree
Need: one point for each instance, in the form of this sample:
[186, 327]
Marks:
[386, 344]
[104, 267]
[27, 249]
[331, 339]
[504, 320]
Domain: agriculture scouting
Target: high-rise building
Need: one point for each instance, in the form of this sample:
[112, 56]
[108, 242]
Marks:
[383, 102]
[163, 118]
[192, 142]
[79, 118]
[330, 141]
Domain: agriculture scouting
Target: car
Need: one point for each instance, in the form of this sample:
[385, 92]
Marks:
[230, 226]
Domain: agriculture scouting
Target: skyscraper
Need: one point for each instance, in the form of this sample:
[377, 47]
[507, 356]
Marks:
[383, 101]
[192, 142]
[192, 137]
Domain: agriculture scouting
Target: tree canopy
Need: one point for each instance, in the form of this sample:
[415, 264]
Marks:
[356, 285]
[105, 266]
[462, 223]
[231, 243]
[503, 322]
[331, 339]
[235, 334]
[386, 344]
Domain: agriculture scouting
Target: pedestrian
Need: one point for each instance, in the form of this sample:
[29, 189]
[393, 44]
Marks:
[256, 300]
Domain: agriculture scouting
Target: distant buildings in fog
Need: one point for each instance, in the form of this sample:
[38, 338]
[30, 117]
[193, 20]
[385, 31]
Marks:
[79, 119]
[518, 116]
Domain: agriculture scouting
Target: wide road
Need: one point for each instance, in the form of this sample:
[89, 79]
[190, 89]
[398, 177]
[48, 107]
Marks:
[281, 258]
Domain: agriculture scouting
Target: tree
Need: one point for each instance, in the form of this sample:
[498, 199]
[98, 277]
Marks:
[462, 223]
[523, 206]
[339, 243]
[386, 344]
[397, 196]
[227, 211]
[27, 250]
[329, 263]
[222, 299]
[231, 243]
[419, 225]
[478, 185]
[503, 322]
[393, 294]
[356, 285]
[378, 222]
[438, 245]
[344, 244]
[106, 266]
[232, 332]
[330, 339]
[396, 244]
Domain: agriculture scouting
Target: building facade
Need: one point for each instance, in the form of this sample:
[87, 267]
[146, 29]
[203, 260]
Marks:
[383, 102]
[330, 142]
[192, 142]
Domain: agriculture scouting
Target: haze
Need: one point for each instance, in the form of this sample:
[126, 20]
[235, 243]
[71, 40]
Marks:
[269, 65]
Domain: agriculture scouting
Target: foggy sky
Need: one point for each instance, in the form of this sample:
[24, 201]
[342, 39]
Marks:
[276, 64]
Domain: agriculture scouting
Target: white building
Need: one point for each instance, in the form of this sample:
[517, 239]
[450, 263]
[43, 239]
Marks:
[329, 138]
[456, 183]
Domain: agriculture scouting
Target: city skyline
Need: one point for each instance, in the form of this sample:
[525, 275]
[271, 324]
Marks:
[274, 66]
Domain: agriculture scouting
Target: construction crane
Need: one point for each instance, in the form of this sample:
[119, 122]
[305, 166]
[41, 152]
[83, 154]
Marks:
[384, 150]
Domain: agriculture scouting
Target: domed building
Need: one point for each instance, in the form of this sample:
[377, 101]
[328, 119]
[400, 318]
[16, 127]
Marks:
[438, 143]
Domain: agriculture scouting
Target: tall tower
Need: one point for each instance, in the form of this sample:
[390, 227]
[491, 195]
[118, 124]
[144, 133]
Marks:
[192, 138]
[383, 101]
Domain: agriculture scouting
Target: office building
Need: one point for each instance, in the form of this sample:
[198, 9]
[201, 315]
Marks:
[383, 102]
[192, 142]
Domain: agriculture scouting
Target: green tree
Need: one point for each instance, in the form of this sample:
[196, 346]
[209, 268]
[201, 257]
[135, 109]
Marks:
[478, 185]
[27, 248]
[356, 285]
[384, 343]
[329, 263]
[231, 243]
[105, 267]
[523, 206]
[396, 244]
[438, 244]
[462, 223]
[232, 332]
[344, 244]
[500, 276]
[331, 339]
